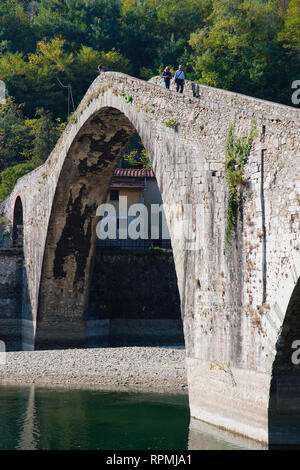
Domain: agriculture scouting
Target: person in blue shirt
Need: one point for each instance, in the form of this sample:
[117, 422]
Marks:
[179, 79]
[167, 77]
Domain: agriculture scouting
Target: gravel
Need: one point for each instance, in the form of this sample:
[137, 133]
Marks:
[150, 369]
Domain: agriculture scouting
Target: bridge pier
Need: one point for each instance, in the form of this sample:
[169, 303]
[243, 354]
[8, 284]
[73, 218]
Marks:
[240, 406]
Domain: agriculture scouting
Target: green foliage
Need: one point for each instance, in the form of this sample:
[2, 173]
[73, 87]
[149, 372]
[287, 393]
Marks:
[146, 73]
[128, 98]
[137, 159]
[114, 60]
[238, 49]
[24, 139]
[24, 143]
[180, 17]
[10, 176]
[72, 117]
[16, 27]
[237, 153]
[14, 138]
[45, 133]
[251, 47]
[94, 23]
[171, 123]
[156, 251]
[290, 35]
[32, 79]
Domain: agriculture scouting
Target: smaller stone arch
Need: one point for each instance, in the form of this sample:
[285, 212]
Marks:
[17, 234]
[284, 401]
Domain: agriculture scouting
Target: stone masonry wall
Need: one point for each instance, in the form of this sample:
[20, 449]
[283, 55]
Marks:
[142, 308]
[11, 268]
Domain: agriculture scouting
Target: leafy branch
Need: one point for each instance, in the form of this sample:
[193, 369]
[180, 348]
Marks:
[225, 367]
[136, 159]
[237, 153]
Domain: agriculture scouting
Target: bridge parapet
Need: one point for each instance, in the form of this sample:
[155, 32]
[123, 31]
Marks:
[229, 100]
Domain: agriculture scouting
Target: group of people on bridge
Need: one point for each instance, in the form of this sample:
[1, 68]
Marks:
[179, 78]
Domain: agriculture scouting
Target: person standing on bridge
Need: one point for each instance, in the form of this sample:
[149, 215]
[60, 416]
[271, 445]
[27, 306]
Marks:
[179, 79]
[102, 69]
[167, 77]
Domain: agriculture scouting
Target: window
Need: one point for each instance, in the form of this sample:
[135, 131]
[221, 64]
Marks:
[114, 195]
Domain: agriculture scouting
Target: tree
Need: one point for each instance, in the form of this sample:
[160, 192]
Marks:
[15, 26]
[139, 41]
[155, 32]
[181, 17]
[169, 54]
[45, 133]
[137, 158]
[26, 140]
[10, 176]
[290, 35]
[32, 80]
[238, 50]
[94, 23]
[14, 138]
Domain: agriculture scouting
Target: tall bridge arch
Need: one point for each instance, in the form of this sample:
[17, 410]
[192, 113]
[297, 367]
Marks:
[233, 299]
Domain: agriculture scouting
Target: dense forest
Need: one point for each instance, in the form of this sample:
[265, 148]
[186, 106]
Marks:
[248, 46]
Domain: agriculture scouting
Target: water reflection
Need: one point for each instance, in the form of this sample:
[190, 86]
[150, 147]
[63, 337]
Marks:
[203, 436]
[29, 434]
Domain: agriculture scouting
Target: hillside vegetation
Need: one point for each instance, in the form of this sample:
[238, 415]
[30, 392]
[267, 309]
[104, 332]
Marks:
[248, 46]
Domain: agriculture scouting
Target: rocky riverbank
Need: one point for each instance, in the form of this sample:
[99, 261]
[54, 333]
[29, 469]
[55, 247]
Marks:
[128, 368]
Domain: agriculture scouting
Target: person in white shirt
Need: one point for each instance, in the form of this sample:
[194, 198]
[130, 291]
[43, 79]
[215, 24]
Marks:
[179, 79]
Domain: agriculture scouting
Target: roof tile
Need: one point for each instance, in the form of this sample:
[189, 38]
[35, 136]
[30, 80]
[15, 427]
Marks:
[134, 173]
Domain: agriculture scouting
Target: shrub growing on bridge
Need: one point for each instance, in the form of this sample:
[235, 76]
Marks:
[237, 153]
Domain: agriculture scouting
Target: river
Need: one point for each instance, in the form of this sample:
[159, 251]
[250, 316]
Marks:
[34, 417]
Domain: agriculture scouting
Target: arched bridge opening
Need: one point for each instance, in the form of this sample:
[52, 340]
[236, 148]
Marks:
[284, 403]
[134, 298]
[17, 233]
[91, 296]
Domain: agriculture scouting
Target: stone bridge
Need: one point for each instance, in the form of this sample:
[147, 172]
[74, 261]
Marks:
[240, 303]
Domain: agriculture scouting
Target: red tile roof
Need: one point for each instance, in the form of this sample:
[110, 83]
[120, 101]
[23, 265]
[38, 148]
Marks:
[134, 173]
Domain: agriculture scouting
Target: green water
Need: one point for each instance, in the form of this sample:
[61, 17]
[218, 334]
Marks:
[38, 418]
[63, 419]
